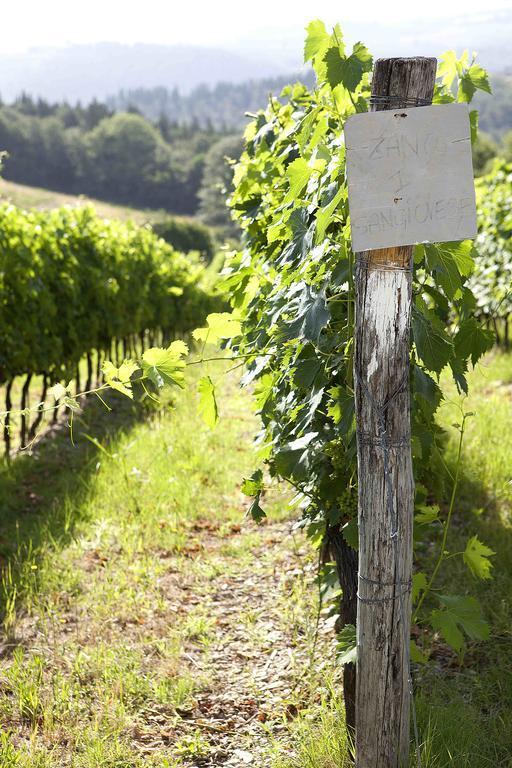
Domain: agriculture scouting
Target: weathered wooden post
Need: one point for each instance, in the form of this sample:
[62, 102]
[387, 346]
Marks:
[386, 488]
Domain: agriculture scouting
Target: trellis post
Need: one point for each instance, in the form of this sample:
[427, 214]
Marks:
[386, 487]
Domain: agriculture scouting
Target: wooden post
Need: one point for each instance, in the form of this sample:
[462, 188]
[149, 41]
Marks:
[386, 486]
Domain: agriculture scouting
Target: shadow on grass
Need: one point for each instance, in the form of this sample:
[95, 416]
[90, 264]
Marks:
[465, 711]
[41, 493]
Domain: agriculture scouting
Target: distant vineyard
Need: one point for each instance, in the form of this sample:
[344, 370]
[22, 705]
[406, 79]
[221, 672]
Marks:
[72, 283]
[492, 280]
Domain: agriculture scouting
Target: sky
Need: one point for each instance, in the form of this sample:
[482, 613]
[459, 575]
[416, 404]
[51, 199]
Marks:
[224, 23]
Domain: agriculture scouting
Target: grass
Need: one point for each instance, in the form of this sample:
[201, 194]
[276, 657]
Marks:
[464, 709]
[24, 196]
[129, 576]
[467, 710]
[112, 551]
[85, 536]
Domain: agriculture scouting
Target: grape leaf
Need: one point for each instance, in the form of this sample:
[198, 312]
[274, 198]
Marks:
[324, 215]
[417, 655]
[298, 173]
[473, 124]
[472, 340]
[165, 367]
[459, 614]
[475, 78]
[119, 378]
[448, 68]
[346, 649]
[253, 485]
[342, 409]
[220, 325]
[426, 387]
[350, 533]
[432, 345]
[476, 556]
[58, 391]
[419, 585]
[207, 401]
[426, 514]
[255, 511]
[452, 262]
[347, 71]
[302, 237]
[317, 39]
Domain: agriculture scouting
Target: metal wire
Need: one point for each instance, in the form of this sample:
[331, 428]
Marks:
[378, 441]
[398, 101]
[365, 262]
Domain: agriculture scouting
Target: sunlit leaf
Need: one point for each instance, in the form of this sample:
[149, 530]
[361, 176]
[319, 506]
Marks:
[253, 485]
[317, 39]
[208, 401]
[220, 325]
[476, 556]
[165, 367]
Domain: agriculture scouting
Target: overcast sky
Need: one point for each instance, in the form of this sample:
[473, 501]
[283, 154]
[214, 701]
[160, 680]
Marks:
[225, 22]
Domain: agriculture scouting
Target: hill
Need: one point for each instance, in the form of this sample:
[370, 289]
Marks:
[84, 72]
[98, 70]
[24, 196]
[222, 106]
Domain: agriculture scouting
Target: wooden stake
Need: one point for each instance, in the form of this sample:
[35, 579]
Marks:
[386, 486]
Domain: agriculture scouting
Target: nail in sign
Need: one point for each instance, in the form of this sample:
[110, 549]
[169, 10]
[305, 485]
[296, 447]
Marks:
[410, 176]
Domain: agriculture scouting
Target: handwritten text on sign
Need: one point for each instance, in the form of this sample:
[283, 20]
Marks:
[410, 176]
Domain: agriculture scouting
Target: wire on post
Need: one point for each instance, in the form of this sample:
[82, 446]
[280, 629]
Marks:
[398, 101]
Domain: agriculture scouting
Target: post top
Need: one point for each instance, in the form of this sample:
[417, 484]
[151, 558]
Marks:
[405, 59]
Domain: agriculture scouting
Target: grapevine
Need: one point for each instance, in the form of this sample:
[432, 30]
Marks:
[291, 288]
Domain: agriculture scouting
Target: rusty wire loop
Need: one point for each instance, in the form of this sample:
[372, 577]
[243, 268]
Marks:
[364, 262]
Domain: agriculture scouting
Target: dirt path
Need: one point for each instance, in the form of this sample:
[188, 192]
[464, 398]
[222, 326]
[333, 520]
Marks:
[255, 660]
[151, 625]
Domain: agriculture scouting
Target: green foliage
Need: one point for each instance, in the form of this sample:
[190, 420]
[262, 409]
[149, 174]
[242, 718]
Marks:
[223, 106]
[292, 286]
[253, 487]
[347, 645]
[71, 282]
[121, 157]
[216, 185]
[208, 401]
[484, 151]
[186, 236]
[220, 325]
[458, 614]
[492, 280]
[118, 378]
[495, 112]
[476, 556]
[164, 367]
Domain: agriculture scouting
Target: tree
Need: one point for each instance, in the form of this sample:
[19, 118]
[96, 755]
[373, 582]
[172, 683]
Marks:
[127, 156]
[485, 149]
[506, 145]
[217, 184]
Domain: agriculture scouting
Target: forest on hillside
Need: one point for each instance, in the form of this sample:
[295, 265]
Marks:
[157, 148]
[122, 158]
[224, 105]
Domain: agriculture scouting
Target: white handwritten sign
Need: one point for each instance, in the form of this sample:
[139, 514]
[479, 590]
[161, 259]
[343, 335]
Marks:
[410, 176]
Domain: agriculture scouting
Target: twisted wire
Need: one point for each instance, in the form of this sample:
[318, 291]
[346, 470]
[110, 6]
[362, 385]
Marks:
[398, 101]
[364, 262]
